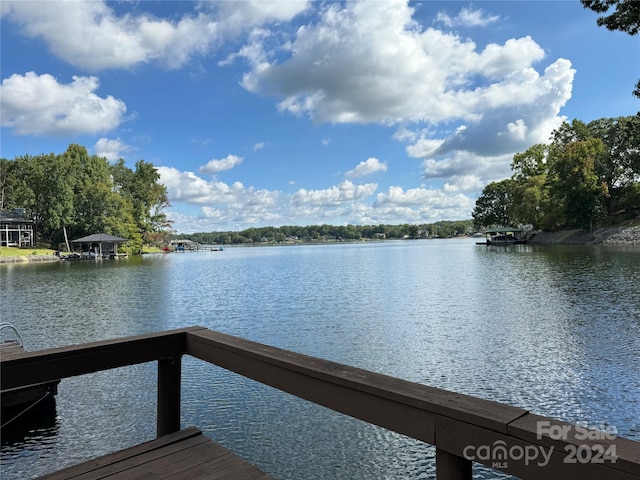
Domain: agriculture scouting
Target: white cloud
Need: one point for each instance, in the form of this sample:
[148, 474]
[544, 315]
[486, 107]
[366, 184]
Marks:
[422, 204]
[38, 105]
[234, 206]
[110, 40]
[372, 62]
[189, 188]
[240, 16]
[465, 165]
[424, 147]
[464, 183]
[231, 206]
[467, 17]
[112, 150]
[522, 113]
[346, 191]
[371, 165]
[216, 166]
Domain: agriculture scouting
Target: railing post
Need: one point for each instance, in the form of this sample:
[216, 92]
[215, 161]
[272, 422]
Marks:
[452, 467]
[169, 372]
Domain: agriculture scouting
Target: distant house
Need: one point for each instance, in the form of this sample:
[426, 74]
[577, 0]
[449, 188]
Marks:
[16, 230]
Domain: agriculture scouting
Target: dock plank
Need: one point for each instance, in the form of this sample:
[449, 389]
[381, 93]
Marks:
[10, 350]
[187, 454]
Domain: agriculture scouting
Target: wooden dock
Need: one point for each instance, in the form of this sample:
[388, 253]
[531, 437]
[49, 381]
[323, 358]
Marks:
[186, 454]
[14, 400]
[457, 425]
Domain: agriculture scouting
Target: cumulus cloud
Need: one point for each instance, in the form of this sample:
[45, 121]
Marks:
[234, 206]
[371, 165]
[187, 187]
[529, 119]
[346, 191]
[39, 105]
[216, 166]
[463, 110]
[373, 62]
[112, 150]
[467, 17]
[109, 40]
[229, 206]
[422, 204]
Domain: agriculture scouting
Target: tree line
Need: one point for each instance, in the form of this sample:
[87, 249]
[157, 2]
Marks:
[75, 194]
[329, 233]
[587, 174]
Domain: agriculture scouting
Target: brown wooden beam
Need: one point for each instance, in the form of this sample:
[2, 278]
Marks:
[452, 467]
[395, 404]
[169, 373]
[456, 424]
[54, 364]
[463, 428]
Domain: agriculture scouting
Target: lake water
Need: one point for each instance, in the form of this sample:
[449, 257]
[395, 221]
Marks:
[555, 330]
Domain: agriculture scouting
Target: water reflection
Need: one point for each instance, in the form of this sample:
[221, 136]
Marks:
[552, 329]
[36, 426]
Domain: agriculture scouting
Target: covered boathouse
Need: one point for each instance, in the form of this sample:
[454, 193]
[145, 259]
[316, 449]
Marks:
[100, 245]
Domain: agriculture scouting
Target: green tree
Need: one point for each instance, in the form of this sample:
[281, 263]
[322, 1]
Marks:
[619, 169]
[14, 191]
[531, 163]
[92, 191]
[149, 198]
[574, 184]
[494, 206]
[529, 179]
[147, 195]
[48, 194]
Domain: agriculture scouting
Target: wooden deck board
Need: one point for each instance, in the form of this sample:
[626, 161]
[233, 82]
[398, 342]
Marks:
[9, 350]
[187, 454]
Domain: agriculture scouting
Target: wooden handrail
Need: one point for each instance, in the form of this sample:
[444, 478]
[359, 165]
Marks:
[460, 426]
[63, 362]
[463, 428]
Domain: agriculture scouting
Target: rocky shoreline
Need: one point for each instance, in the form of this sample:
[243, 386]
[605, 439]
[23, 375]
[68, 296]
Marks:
[599, 236]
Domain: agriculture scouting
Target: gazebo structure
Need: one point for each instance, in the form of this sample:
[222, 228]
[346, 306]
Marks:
[100, 245]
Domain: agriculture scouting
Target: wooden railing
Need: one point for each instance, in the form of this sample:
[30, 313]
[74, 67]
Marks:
[462, 428]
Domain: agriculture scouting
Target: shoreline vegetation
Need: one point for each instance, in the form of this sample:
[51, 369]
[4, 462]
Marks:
[613, 236]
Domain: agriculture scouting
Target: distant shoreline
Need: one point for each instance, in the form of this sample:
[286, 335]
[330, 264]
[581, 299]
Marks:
[625, 235]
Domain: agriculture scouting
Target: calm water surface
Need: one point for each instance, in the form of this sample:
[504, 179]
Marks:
[555, 330]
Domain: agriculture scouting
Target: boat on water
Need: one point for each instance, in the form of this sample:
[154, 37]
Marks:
[15, 401]
[506, 239]
[503, 236]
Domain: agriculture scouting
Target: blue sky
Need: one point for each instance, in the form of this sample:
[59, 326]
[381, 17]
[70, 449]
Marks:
[262, 113]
